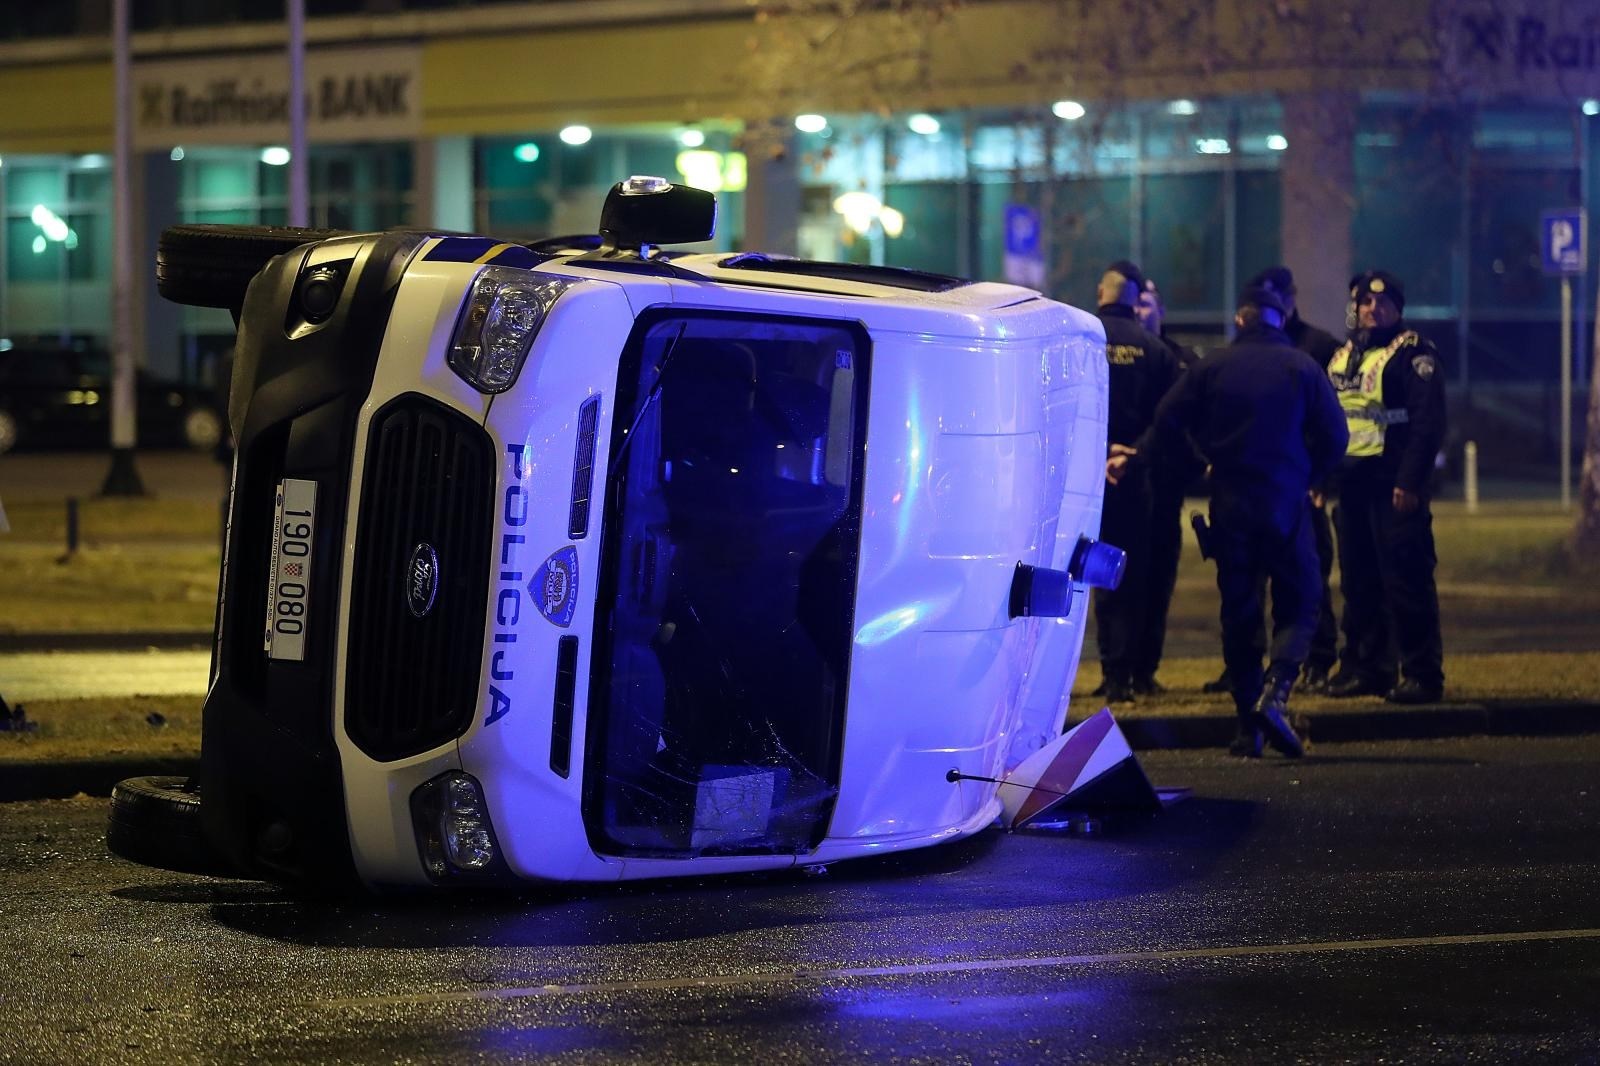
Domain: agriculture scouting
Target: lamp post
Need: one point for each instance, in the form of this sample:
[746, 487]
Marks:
[299, 163]
[123, 477]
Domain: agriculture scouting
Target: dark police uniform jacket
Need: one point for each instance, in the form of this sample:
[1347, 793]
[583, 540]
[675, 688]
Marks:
[1142, 370]
[1319, 344]
[1411, 391]
[1265, 416]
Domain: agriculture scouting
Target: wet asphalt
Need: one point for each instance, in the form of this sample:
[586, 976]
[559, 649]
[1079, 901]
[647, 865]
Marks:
[1432, 901]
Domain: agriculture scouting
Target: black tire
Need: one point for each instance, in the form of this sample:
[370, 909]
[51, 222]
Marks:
[211, 266]
[156, 821]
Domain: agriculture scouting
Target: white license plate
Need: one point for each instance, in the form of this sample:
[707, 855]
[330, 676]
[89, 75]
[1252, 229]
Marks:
[294, 518]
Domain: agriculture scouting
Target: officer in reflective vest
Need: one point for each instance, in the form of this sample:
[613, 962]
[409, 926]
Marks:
[1389, 384]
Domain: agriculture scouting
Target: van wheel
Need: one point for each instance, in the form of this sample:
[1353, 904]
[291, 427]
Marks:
[156, 821]
[8, 431]
[211, 266]
[202, 429]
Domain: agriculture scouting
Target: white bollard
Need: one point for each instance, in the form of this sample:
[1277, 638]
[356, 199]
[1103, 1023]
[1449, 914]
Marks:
[1470, 475]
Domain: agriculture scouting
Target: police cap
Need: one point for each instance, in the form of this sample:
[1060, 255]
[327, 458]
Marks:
[1260, 296]
[1277, 278]
[1130, 271]
[1379, 281]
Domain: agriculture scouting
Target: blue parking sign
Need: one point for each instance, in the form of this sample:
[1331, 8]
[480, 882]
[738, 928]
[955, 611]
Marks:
[1022, 230]
[1024, 258]
[1561, 236]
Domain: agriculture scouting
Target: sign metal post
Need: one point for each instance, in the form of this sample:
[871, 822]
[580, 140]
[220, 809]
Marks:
[1562, 236]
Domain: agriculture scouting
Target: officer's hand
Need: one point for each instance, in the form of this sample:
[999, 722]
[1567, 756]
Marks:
[1123, 449]
[1405, 502]
[1318, 499]
[1117, 465]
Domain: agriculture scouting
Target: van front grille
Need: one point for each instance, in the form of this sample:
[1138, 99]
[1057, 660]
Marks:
[421, 577]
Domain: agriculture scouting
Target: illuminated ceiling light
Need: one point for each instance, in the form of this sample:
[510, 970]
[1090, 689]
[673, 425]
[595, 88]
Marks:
[51, 223]
[1212, 146]
[576, 135]
[526, 152]
[713, 171]
[1182, 107]
[691, 138]
[926, 125]
[176, 155]
[276, 156]
[1070, 110]
[810, 123]
[1277, 142]
[860, 210]
[92, 161]
[1591, 107]
[38, 244]
[701, 169]
[894, 223]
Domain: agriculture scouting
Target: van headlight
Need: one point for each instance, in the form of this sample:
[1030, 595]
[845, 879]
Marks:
[454, 836]
[503, 314]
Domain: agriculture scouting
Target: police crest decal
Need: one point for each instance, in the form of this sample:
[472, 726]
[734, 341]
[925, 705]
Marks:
[555, 586]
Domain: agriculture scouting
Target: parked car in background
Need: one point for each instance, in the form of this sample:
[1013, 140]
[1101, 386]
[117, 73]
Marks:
[58, 397]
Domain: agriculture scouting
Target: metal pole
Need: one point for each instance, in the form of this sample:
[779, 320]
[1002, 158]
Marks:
[299, 163]
[1566, 392]
[1230, 225]
[123, 478]
[1470, 476]
[1464, 284]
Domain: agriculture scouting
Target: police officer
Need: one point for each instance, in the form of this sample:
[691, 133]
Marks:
[1264, 415]
[1392, 392]
[1141, 371]
[1320, 345]
[1168, 480]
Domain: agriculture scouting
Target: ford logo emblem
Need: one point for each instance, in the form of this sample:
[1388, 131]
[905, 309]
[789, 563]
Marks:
[422, 579]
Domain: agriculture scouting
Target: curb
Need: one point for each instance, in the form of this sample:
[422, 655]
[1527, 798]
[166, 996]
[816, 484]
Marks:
[1541, 718]
[28, 780]
[34, 642]
[24, 780]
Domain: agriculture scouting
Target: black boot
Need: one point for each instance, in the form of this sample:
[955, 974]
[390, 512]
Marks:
[1223, 683]
[1347, 684]
[1314, 681]
[1248, 740]
[1272, 713]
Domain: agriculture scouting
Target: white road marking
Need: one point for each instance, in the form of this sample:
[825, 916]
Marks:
[968, 966]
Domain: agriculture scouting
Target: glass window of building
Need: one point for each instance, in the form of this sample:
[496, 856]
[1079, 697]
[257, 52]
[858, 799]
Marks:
[57, 235]
[1409, 161]
[543, 184]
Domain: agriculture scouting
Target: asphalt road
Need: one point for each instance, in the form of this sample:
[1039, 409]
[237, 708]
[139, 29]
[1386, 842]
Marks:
[1426, 901]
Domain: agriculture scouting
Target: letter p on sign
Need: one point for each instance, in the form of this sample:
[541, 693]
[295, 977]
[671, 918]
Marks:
[1561, 242]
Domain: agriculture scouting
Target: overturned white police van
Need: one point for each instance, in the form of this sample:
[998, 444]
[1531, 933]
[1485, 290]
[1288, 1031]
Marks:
[578, 561]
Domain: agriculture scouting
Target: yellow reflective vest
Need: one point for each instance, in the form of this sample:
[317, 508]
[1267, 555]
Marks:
[1361, 394]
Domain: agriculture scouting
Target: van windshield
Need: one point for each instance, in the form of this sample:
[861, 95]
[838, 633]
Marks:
[726, 597]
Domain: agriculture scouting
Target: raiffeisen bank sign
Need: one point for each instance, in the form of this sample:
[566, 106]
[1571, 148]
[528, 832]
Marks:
[351, 95]
[1539, 47]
